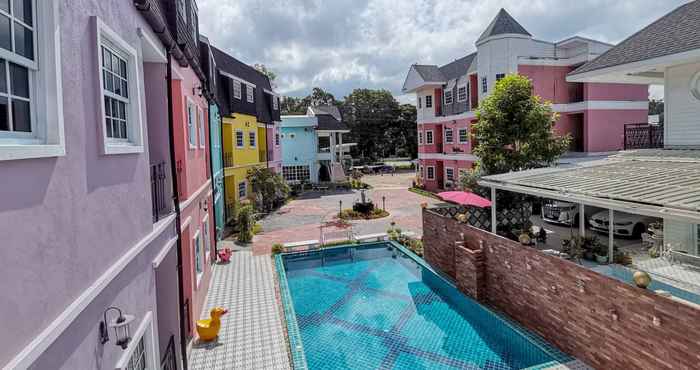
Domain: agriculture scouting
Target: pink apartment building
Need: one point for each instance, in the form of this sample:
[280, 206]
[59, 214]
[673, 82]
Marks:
[594, 114]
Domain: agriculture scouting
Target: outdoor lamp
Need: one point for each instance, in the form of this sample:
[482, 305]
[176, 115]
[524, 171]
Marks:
[120, 324]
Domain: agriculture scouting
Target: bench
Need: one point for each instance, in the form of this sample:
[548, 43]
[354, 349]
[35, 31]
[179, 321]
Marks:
[310, 244]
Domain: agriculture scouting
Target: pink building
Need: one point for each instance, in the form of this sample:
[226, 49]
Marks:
[594, 114]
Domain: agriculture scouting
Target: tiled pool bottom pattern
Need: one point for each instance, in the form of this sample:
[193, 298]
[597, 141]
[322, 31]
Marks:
[363, 309]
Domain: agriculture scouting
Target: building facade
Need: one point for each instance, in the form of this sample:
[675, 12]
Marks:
[83, 155]
[594, 114]
[312, 146]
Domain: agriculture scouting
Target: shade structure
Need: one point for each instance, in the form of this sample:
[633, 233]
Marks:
[465, 198]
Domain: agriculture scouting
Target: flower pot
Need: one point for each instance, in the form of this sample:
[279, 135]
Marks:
[588, 256]
[601, 259]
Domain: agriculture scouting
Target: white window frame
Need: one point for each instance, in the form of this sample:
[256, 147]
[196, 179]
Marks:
[237, 89]
[191, 123]
[277, 138]
[445, 96]
[427, 172]
[459, 133]
[146, 332]
[452, 136]
[206, 236]
[235, 138]
[238, 190]
[253, 139]
[296, 174]
[47, 138]
[464, 86]
[428, 101]
[420, 137]
[202, 128]
[250, 93]
[419, 103]
[134, 144]
[447, 177]
[429, 135]
[198, 253]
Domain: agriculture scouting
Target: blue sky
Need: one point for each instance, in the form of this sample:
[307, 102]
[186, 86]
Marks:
[341, 45]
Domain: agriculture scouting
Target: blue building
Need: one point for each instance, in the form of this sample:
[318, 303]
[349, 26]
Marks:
[312, 146]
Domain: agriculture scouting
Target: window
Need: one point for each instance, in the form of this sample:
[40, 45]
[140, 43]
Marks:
[324, 144]
[500, 76]
[277, 139]
[207, 238]
[237, 89]
[428, 101]
[121, 114]
[292, 135]
[191, 124]
[448, 97]
[431, 173]
[141, 352]
[275, 103]
[450, 174]
[462, 93]
[484, 85]
[422, 172]
[463, 135]
[202, 128]
[198, 256]
[242, 190]
[429, 137]
[449, 137]
[251, 138]
[420, 137]
[239, 139]
[419, 103]
[296, 174]
[249, 93]
[31, 122]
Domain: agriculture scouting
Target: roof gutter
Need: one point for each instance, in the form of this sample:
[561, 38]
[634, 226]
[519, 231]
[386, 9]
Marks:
[154, 17]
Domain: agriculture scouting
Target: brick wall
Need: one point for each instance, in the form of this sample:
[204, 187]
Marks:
[604, 322]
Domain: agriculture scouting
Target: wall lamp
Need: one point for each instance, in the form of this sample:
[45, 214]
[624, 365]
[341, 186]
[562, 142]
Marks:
[120, 324]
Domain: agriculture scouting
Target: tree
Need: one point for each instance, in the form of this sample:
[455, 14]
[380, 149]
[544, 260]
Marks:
[405, 132]
[318, 96]
[370, 115]
[269, 187]
[270, 75]
[245, 224]
[515, 129]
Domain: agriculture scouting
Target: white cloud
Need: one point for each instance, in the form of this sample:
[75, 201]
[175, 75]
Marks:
[341, 45]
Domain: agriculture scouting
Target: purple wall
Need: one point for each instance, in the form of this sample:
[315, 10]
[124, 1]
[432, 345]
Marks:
[66, 220]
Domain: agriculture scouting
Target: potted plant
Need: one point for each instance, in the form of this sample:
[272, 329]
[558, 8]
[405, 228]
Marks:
[601, 254]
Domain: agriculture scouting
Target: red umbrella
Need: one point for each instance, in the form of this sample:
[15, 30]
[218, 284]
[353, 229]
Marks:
[465, 198]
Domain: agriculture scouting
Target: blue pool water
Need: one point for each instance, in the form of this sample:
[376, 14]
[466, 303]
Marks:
[378, 307]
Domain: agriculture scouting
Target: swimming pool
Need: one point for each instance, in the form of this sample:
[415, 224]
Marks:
[378, 306]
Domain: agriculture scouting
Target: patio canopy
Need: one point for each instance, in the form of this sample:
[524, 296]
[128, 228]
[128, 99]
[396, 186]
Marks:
[465, 198]
[658, 183]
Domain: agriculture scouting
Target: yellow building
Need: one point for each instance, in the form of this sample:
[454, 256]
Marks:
[245, 147]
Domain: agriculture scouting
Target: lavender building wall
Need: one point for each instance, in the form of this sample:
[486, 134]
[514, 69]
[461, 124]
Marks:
[78, 234]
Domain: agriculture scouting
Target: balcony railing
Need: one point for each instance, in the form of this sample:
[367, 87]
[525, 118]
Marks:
[643, 136]
[228, 159]
[159, 200]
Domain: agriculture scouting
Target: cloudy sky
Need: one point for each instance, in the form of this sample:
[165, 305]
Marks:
[341, 45]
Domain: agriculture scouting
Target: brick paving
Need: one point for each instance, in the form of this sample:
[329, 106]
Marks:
[300, 219]
[252, 333]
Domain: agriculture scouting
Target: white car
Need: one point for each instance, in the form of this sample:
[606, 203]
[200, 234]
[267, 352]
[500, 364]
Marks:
[625, 224]
[564, 213]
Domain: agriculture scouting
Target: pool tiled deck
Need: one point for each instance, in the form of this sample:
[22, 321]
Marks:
[252, 335]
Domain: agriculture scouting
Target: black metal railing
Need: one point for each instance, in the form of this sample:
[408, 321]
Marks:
[169, 361]
[228, 159]
[643, 136]
[159, 202]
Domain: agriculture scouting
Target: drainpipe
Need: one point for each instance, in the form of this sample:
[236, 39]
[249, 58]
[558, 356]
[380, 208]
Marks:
[178, 216]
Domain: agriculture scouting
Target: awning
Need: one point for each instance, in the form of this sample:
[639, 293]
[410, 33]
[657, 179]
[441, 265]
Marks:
[465, 198]
[659, 183]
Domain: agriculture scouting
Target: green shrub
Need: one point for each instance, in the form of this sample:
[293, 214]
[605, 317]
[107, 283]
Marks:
[257, 229]
[277, 248]
[245, 224]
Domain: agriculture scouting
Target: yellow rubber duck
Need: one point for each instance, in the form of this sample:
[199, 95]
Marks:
[208, 329]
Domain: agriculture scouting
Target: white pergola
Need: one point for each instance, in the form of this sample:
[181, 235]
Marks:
[657, 183]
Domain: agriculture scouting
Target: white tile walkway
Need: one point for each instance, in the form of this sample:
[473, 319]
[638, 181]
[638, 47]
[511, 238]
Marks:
[251, 334]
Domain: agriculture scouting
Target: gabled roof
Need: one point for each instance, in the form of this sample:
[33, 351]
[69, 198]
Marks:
[235, 67]
[458, 68]
[504, 23]
[329, 118]
[676, 32]
[327, 109]
[430, 73]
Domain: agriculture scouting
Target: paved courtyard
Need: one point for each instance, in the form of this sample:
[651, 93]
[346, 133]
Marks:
[300, 219]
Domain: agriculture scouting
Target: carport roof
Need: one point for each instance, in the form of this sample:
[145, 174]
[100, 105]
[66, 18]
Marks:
[660, 183]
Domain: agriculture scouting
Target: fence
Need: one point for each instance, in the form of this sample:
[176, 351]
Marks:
[643, 136]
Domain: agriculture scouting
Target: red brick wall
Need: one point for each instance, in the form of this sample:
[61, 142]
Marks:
[604, 322]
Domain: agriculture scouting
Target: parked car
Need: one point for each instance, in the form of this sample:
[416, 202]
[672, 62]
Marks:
[625, 224]
[564, 213]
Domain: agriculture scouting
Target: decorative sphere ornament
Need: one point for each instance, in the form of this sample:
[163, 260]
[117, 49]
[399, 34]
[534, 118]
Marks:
[641, 279]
